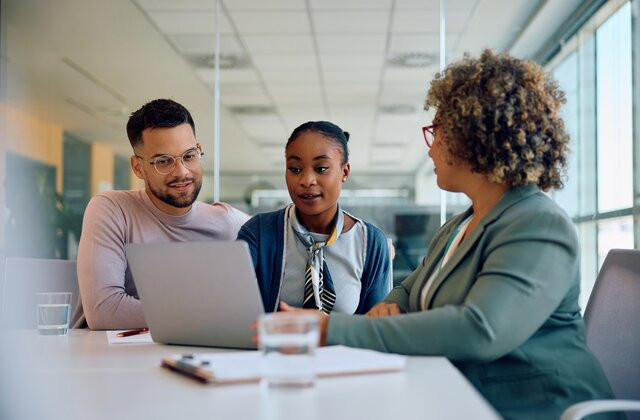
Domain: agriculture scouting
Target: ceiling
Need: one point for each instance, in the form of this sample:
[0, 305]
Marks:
[363, 64]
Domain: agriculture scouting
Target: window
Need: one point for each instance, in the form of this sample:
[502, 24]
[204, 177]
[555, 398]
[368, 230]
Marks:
[595, 71]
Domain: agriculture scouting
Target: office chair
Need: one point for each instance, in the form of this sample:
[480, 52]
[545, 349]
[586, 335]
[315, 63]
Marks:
[613, 334]
[23, 278]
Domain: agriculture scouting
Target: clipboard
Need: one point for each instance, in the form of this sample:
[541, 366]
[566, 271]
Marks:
[245, 367]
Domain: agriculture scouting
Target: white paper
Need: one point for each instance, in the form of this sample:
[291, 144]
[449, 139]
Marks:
[330, 361]
[145, 338]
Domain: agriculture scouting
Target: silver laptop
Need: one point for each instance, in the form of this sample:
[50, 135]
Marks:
[197, 293]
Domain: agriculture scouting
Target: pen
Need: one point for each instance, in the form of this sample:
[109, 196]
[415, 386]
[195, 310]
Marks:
[132, 332]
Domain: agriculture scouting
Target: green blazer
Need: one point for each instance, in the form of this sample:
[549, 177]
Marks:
[504, 310]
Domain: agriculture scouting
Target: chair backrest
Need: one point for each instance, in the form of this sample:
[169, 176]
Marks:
[612, 319]
[23, 278]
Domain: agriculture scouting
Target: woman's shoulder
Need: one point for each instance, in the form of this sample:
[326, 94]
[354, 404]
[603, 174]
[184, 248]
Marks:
[264, 220]
[537, 215]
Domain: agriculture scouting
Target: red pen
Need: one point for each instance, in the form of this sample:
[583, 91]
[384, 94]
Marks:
[132, 332]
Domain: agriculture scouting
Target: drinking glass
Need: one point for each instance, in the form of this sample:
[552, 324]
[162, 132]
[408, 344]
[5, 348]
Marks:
[53, 313]
[288, 342]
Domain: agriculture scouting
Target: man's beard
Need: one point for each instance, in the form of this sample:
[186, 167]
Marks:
[178, 201]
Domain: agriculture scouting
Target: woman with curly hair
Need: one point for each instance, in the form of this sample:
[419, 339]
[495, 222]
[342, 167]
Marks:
[497, 293]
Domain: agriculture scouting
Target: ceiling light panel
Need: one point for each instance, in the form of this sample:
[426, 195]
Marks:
[172, 23]
[278, 44]
[371, 43]
[375, 22]
[248, 5]
[206, 44]
[271, 23]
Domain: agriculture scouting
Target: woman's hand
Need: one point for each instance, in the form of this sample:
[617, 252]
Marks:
[323, 320]
[383, 309]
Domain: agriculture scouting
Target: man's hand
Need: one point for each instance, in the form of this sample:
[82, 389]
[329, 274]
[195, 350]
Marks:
[383, 309]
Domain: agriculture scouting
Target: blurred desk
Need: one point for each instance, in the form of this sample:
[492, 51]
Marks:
[80, 376]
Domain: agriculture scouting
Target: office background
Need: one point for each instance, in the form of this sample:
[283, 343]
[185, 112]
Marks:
[73, 70]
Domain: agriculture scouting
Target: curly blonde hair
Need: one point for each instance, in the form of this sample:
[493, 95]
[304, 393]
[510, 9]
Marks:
[502, 116]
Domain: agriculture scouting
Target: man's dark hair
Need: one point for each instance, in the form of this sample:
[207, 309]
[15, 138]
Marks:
[159, 113]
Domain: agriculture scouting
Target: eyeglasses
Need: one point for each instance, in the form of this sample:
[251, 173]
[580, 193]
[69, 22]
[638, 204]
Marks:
[429, 133]
[165, 164]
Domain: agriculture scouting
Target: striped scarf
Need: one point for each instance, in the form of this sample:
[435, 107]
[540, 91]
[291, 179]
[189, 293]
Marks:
[318, 293]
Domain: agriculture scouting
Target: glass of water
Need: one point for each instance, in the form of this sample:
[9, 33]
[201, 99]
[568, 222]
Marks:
[53, 313]
[288, 342]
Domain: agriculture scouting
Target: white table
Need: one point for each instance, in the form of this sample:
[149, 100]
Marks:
[80, 376]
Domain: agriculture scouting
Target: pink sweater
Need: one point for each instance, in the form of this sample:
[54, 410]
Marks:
[115, 218]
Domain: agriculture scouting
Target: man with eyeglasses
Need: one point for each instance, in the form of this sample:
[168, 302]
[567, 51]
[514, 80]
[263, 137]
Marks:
[167, 157]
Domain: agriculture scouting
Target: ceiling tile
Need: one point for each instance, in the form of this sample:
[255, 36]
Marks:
[229, 75]
[339, 99]
[288, 75]
[300, 102]
[189, 22]
[336, 62]
[371, 43]
[386, 153]
[404, 43]
[362, 111]
[297, 100]
[262, 126]
[252, 99]
[352, 75]
[241, 89]
[407, 21]
[350, 4]
[285, 61]
[417, 4]
[351, 89]
[206, 44]
[182, 5]
[278, 44]
[434, 4]
[374, 22]
[247, 5]
[293, 89]
[271, 22]
[293, 121]
[418, 76]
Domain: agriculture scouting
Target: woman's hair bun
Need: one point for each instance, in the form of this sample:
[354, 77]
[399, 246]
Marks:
[346, 135]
